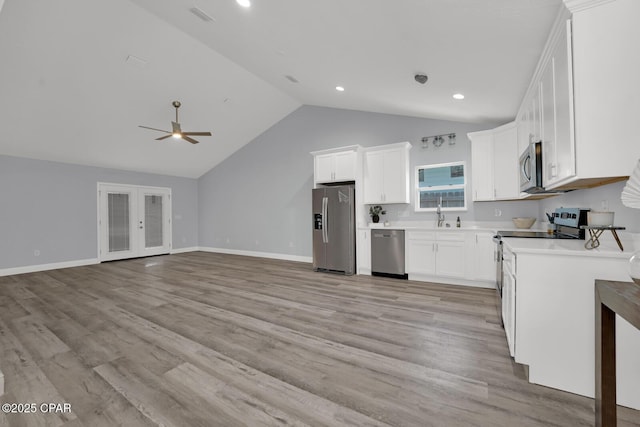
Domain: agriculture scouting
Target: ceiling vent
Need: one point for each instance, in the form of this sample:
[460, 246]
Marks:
[201, 14]
[291, 79]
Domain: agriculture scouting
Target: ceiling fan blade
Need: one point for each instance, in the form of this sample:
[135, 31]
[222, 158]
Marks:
[147, 127]
[197, 133]
[164, 137]
[191, 140]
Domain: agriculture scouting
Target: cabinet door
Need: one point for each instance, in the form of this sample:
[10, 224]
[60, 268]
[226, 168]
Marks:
[565, 165]
[364, 252]
[484, 257]
[549, 166]
[421, 257]
[523, 131]
[482, 166]
[509, 310]
[450, 258]
[373, 177]
[505, 170]
[396, 176]
[324, 165]
[535, 121]
[345, 166]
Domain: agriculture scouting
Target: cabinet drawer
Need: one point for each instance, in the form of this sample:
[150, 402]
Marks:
[421, 235]
[455, 236]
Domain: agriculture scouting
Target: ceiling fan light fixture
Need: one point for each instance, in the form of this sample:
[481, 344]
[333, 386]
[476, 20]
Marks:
[176, 135]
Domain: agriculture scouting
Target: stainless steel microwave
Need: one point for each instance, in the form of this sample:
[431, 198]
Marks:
[531, 169]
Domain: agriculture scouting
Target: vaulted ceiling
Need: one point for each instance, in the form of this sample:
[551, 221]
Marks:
[79, 76]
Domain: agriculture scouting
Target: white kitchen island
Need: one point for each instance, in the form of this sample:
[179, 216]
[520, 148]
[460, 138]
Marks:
[555, 314]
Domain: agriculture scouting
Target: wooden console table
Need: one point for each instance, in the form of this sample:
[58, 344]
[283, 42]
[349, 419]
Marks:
[622, 298]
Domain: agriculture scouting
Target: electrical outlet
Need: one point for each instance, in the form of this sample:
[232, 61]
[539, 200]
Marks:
[604, 205]
[36, 252]
[228, 240]
[497, 212]
[257, 242]
[291, 245]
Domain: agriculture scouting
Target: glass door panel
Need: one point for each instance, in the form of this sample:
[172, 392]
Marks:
[153, 220]
[119, 222]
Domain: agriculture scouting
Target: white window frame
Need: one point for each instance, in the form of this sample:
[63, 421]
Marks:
[463, 186]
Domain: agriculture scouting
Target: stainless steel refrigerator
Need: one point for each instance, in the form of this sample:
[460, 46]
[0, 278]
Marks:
[334, 247]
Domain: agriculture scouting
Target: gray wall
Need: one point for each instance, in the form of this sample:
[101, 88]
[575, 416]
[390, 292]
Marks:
[594, 198]
[259, 199]
[52, 207]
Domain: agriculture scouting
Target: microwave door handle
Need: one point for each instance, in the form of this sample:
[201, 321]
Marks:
[526, 168]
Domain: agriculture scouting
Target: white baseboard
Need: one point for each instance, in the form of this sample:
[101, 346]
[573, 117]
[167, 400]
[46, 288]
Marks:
[452, 281]
[44, 267]
[184, 250]
[78, 263]
[271, 255]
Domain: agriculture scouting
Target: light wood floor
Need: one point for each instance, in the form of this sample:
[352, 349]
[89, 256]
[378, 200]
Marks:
[204, 339]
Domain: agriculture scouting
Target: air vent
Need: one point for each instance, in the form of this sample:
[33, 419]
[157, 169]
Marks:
[201, 14]
[291, 79]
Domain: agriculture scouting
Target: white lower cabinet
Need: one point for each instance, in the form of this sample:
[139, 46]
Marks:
[364, 251]
[509, 299]
[509, 310]
[484, 257]
[420, 255]
[435, 254]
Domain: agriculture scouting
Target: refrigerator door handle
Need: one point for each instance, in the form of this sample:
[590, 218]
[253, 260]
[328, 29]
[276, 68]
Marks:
[325, 235]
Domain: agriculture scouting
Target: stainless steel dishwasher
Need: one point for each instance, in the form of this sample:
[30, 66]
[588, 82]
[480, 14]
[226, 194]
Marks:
[387, 253]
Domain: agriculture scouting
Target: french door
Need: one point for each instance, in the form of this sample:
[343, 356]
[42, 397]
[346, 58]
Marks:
[133, 221]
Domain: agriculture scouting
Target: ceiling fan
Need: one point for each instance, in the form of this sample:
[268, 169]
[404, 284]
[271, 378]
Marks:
[177, 131]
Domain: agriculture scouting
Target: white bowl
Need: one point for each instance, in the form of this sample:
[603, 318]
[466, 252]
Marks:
[523, 222]
[600, 218]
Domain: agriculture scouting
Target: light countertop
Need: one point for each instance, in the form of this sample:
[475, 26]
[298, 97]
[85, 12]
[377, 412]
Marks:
[566, 247]
[608, 247]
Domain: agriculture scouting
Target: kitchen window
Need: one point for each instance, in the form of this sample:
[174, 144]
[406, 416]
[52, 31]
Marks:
[444, 183]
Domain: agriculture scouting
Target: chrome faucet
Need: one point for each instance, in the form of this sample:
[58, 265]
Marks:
[440, 214]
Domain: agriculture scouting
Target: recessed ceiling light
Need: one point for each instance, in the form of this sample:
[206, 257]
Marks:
[244, 3]
[339, 88]
[458, 96]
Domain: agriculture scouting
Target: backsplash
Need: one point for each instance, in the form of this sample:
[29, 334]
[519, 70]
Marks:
[602, 198]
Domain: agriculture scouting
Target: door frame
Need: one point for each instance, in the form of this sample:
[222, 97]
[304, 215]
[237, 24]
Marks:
[140, 252]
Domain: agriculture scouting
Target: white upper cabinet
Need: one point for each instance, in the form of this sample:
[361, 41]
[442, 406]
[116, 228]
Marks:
[386, 174]
[494, 164]
[583, 100]
[482, 165]
[336, 165]
[556, 88]
[505, 157]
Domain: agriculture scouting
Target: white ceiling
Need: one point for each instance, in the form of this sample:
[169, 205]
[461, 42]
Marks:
[67, 92]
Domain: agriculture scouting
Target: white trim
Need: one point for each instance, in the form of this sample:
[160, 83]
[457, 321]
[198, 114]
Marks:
[137, 248]
[184, 250]
[44, 267]
[1, 376]
[464, 187]
[451, 281]
[580, 5]
[271, 255]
